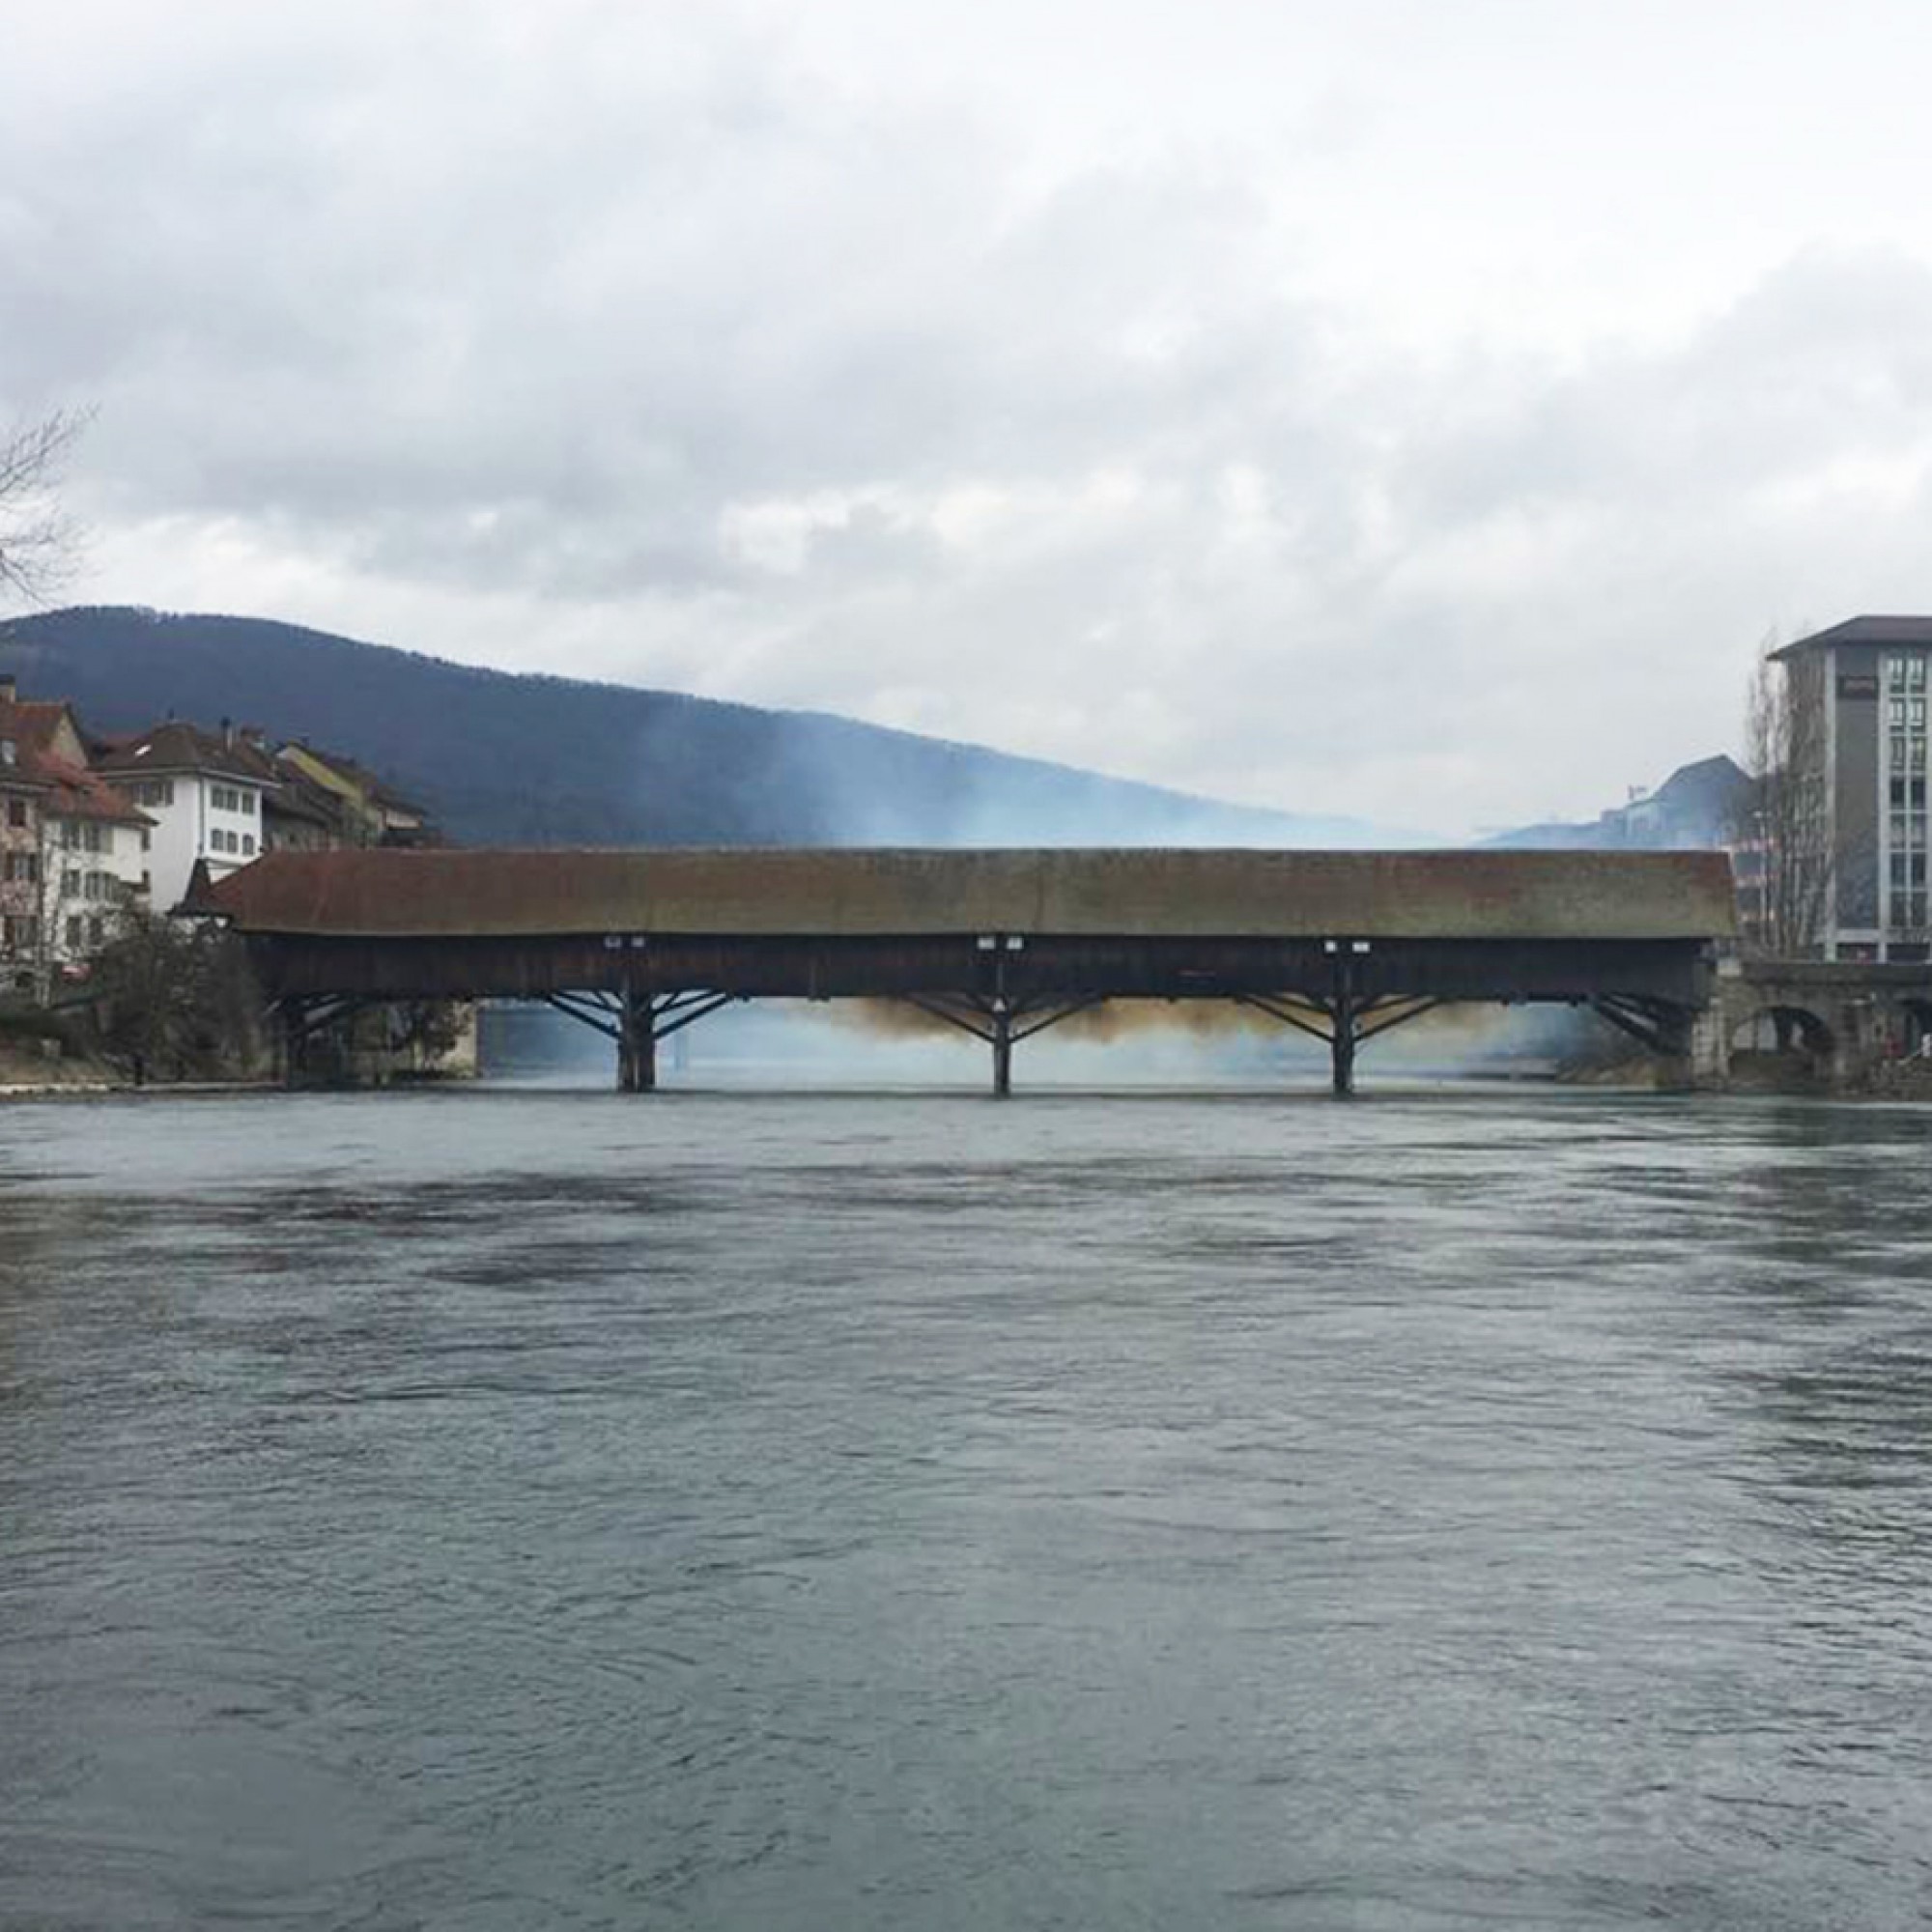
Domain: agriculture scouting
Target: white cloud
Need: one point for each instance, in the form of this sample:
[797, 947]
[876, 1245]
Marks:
[1389, 414]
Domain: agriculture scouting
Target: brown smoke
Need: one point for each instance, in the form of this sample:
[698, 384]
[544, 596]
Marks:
[1199, 1020]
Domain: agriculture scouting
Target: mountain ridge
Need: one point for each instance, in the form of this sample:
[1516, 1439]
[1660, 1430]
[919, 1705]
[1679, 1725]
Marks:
[530, 756]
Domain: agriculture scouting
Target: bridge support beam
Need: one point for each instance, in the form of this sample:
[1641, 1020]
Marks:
[1002, 1023]
[304, 1019]
[1667, 1030]
[1343, 1022]
[635, 1022]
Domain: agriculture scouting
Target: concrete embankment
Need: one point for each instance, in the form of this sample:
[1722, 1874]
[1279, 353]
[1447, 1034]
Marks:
[27, 1070]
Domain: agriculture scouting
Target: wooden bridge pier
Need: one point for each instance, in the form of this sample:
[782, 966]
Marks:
[301, 1024]
[637, 1022]
[637, 1046]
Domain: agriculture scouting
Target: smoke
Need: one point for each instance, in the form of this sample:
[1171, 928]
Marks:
[1111, 1021]
[891, 1042]
[1215, 1020]
[848, 783]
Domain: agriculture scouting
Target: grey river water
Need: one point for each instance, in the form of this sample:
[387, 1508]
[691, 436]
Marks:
[511, 1509]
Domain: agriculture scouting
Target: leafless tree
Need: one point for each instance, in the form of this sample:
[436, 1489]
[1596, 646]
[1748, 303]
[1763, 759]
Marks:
[175, 998]
[1786, 865]
[39, 542]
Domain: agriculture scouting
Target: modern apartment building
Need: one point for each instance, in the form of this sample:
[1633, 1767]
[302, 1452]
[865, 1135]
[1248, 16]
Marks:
[1858, 693]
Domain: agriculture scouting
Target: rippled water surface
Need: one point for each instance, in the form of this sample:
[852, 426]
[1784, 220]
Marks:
[521, 1510]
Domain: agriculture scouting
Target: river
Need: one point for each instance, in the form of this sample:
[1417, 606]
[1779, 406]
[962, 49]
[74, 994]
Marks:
[517, 1509]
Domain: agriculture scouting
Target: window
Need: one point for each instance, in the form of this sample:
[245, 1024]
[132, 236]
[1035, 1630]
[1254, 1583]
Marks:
[1906, 823]
[23, 868]
[247, 805]
[71, 883]
[248, 844]
[16, 811]
[97, 929]
[147, 839]
[74, 933]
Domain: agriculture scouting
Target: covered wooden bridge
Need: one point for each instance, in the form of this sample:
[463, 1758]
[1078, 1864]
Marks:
[1002, 943]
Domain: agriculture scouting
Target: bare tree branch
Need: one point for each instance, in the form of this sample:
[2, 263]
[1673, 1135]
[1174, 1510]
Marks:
[1787, 862]
[40, 544]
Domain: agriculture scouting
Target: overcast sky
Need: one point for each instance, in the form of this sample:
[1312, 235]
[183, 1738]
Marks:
[1410, 410]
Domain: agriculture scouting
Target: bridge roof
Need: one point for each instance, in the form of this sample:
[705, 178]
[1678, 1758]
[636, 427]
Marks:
[863, 893]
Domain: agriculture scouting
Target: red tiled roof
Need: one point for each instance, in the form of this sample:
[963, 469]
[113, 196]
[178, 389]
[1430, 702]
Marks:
[79, 793]
[32, 723]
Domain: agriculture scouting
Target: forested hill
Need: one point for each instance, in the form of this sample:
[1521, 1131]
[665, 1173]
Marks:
[502, 758]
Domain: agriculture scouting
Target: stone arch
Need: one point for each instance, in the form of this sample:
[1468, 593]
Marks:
[1915, 1026]
[1788, 1033]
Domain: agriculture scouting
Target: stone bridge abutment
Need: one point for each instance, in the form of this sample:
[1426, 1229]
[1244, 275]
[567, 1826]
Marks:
[1839, 1026]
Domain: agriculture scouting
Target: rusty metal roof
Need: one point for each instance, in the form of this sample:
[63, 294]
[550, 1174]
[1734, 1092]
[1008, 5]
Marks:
[848, 892]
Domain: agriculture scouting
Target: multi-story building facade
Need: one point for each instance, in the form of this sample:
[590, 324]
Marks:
[1858, 695]
[203, 793]
[368, 809]
[73, 852]
[21, 796]
[96, 856]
